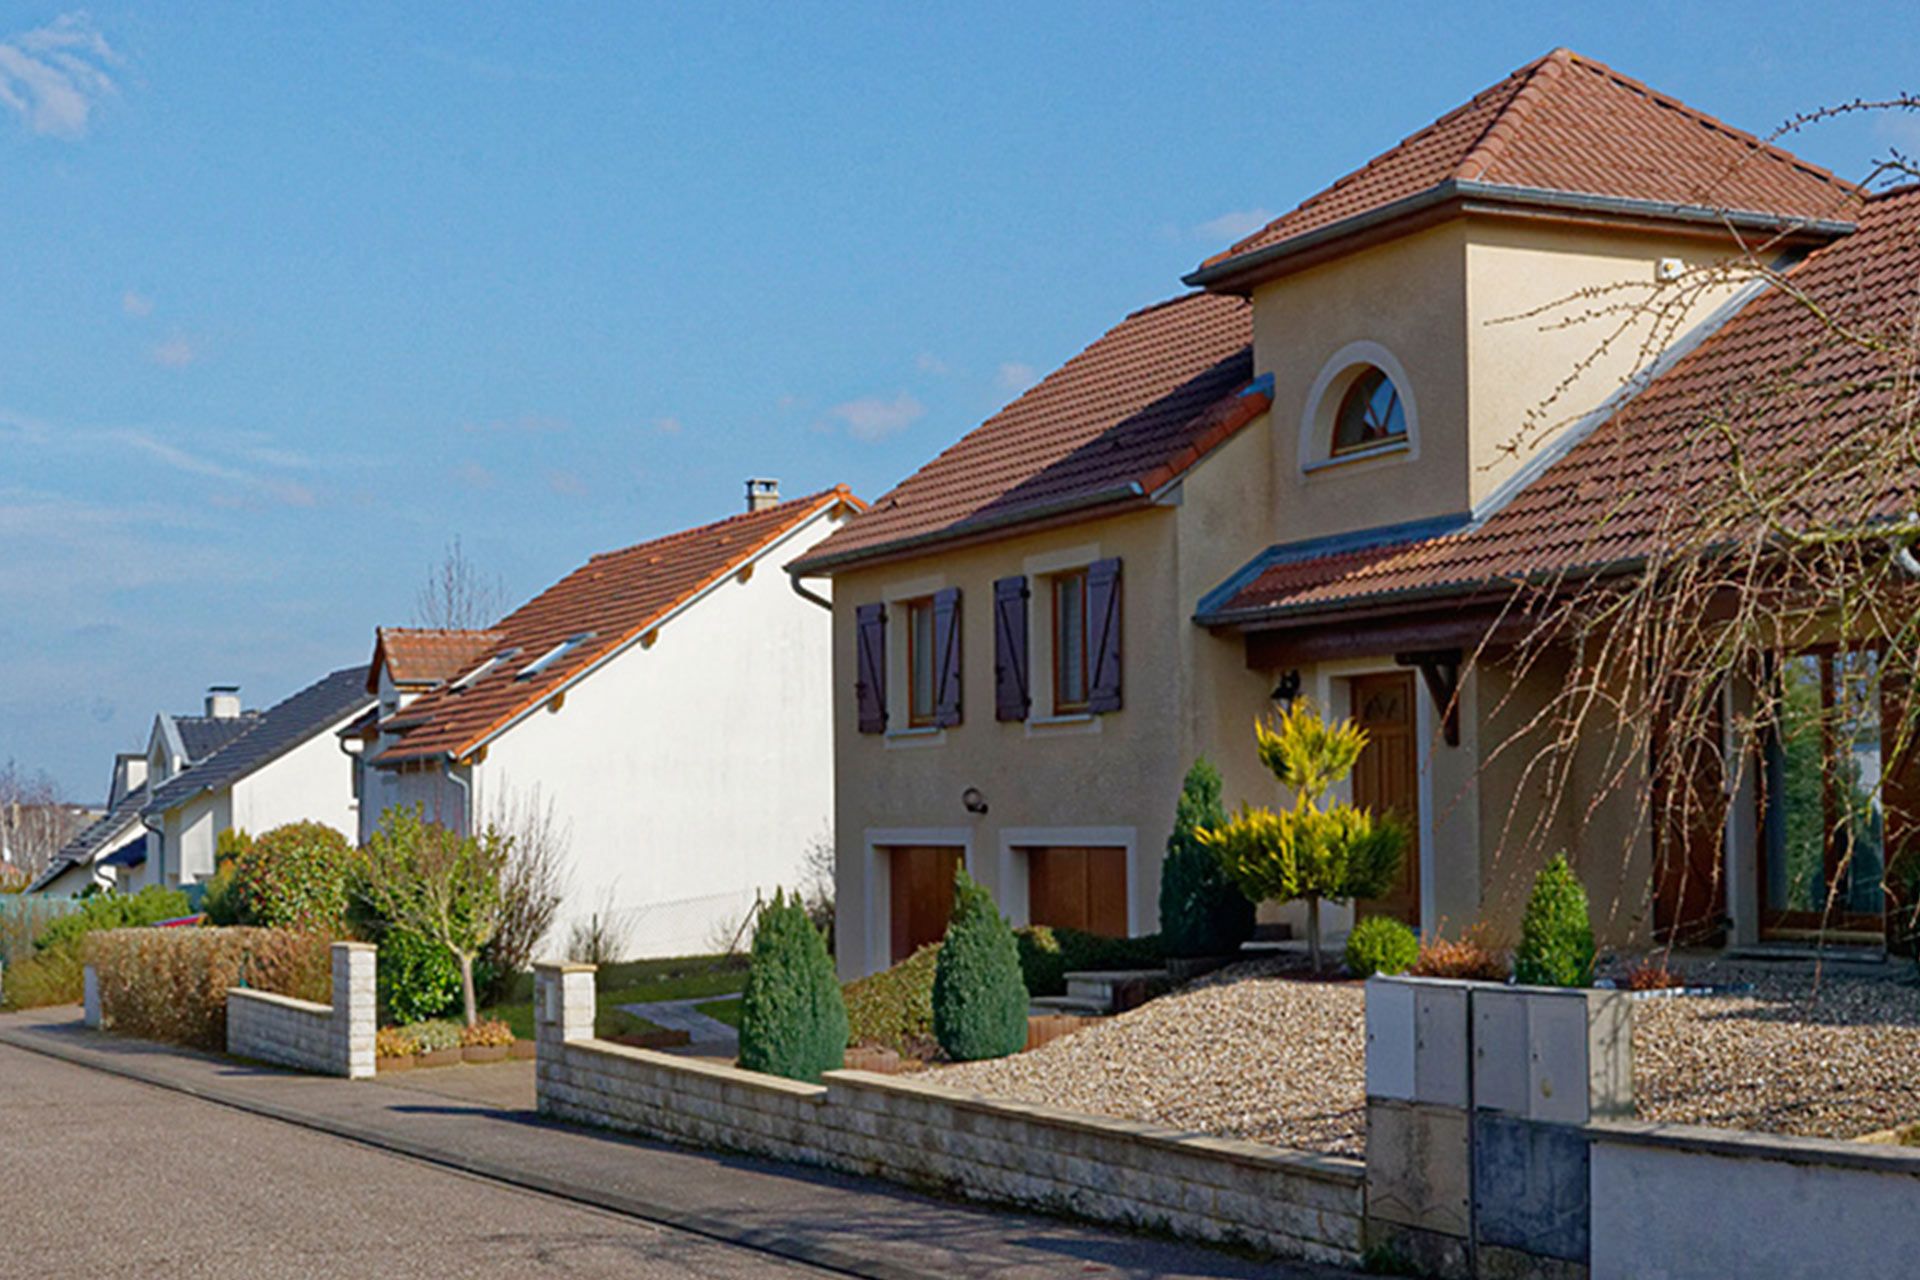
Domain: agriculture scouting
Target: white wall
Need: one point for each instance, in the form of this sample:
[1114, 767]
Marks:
[692, 774]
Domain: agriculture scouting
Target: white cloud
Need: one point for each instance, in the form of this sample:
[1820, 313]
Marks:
[135, 303]
[927, 362]
[873, 418]
[669, 426]
[175, 353]
[55, 75]
[1015, 376]
[1235, 225]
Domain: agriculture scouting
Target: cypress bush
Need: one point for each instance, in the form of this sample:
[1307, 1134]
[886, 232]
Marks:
[793, 1021]
[1380, 944]
[1556, 935]
[1202, 912]
[979, 998]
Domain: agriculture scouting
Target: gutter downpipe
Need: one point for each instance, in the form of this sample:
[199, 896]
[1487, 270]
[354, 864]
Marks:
[800, 589]
[466, 794]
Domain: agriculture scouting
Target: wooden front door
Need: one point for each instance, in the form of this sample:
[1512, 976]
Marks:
[1689, 894]
[1084, 889]
[1387, 780]
[921, 895]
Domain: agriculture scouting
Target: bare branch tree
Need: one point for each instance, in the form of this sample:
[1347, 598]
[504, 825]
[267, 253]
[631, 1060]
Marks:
[35, 820]
[457, 596]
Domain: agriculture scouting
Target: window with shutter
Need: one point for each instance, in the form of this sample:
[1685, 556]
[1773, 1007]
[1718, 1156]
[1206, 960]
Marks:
[922, 666]
[946, 657]
[1103, 636]
[870, 658]
[1011, 698]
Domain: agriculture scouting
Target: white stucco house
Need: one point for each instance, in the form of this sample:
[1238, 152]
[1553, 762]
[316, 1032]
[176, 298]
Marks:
[284, 764]
[110, 850]
[669, 704]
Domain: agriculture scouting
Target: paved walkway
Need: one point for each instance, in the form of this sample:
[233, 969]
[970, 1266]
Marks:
[479, 1120]
[711, 1035]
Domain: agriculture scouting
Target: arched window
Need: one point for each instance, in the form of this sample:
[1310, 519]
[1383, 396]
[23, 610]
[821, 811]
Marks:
[1370, 414]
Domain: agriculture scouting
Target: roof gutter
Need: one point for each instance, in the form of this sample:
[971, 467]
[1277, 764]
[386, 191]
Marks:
[822, 566]
[1245, 268]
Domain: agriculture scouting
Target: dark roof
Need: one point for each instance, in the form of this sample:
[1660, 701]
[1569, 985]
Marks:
[272, 734]
[131, 854]
[1568, 125]
[615, 598]
[93, 837]
[1785, 368]
[204, 735]
[1123, 418]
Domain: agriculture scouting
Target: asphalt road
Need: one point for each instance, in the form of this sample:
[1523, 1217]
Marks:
[102, 1176]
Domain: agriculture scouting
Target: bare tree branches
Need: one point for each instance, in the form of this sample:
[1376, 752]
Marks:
[457, 596]
[35, 821]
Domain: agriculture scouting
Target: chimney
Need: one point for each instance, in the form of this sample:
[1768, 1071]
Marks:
[223, 702]
[762, 494]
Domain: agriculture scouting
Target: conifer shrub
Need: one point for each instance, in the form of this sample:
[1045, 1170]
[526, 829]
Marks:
[1380, 944]
[1202, 912]
[979, 998]
[1556, 935]
[793, 1020]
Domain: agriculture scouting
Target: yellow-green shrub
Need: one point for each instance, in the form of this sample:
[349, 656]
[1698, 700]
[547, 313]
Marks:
[171, 984]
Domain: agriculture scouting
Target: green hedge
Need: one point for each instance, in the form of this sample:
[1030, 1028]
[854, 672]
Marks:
[793, 1021]
[114, 911]
[171, 984]
[1048, 955]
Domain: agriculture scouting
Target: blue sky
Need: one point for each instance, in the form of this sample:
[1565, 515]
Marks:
[290, 296]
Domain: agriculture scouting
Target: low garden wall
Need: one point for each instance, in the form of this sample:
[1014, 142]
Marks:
[1290, 1204]
[334, 1039]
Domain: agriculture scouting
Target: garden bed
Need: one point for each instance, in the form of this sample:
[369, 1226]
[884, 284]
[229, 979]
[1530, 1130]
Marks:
[1250, 1053]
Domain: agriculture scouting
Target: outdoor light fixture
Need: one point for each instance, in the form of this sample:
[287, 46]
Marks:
[973, 800]
[1287, 690]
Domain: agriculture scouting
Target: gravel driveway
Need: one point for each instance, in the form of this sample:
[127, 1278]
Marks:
[1251, 1054]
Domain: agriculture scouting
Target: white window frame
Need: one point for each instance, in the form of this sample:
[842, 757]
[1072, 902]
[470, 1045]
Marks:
[1315, 444]
[1040, 570]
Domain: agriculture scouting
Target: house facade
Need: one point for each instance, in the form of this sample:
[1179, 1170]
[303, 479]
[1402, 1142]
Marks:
[1319, 476]
[284, 764]
[110, 851]
[667, 704]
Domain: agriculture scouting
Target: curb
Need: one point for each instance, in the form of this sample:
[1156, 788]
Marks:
[827, 1257]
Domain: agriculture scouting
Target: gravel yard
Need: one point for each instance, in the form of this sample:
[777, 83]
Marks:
[1249, 1053]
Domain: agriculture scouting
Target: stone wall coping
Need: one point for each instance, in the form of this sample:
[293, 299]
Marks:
[1514, 988]
[564, 966]
[1869, 1157]
[355, 946]
[1331, 1168]
[716, 1071]
[285, 1002]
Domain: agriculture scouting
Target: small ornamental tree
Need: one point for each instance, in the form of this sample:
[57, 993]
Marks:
[441, 886]
[1556, 935]
[1202, 912]
[979, 999]
[793, 1019]
[1308, 852]
[292, 877]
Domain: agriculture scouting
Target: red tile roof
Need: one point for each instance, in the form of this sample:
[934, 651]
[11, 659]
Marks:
[421, 655]
[1566, 123]
[1124, 417]
[1777, 368]
[618, 597]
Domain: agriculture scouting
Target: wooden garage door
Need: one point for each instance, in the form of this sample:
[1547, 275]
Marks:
[1083, 889]
[922, 895]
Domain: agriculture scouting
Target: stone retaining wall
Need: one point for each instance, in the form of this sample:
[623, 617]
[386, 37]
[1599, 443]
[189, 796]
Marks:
[334, 1039]
[1287, 1203]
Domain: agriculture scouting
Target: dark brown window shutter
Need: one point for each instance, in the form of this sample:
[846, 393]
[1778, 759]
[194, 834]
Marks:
[870, 682]
[1103, 636]
[946, 657]
[1010, 697]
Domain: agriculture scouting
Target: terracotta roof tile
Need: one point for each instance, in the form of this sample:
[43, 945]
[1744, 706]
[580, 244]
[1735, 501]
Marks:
[1776, 368]
[1567, 123]
[1137, 407]
[616, 597]
[421, 655]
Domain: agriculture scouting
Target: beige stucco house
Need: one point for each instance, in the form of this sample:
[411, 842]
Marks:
[1318, 475]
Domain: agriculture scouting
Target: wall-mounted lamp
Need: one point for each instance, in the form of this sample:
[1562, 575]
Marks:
[1285, 692]
[973, 801]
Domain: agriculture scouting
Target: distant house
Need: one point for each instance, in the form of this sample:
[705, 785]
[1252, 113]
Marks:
[109, 851]
[669, 703]
[285, 764]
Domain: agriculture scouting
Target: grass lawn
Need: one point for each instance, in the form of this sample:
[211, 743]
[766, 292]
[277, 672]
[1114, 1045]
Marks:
[634, 982]
[727, 1011]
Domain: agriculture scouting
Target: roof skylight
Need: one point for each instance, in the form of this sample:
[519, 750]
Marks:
[554, 655]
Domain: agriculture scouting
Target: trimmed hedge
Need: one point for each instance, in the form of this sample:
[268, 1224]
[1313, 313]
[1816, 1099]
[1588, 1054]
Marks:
[979, 998]
[1381, 944]
[1048, 955]
[293, 877]
[171, 984]
[793, 1021]
[894, 1007]
[415, 979]
[114, 911]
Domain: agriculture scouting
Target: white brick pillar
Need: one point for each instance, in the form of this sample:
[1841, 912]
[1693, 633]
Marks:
[350, 1038]
[90, 999]
[563, 1002]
